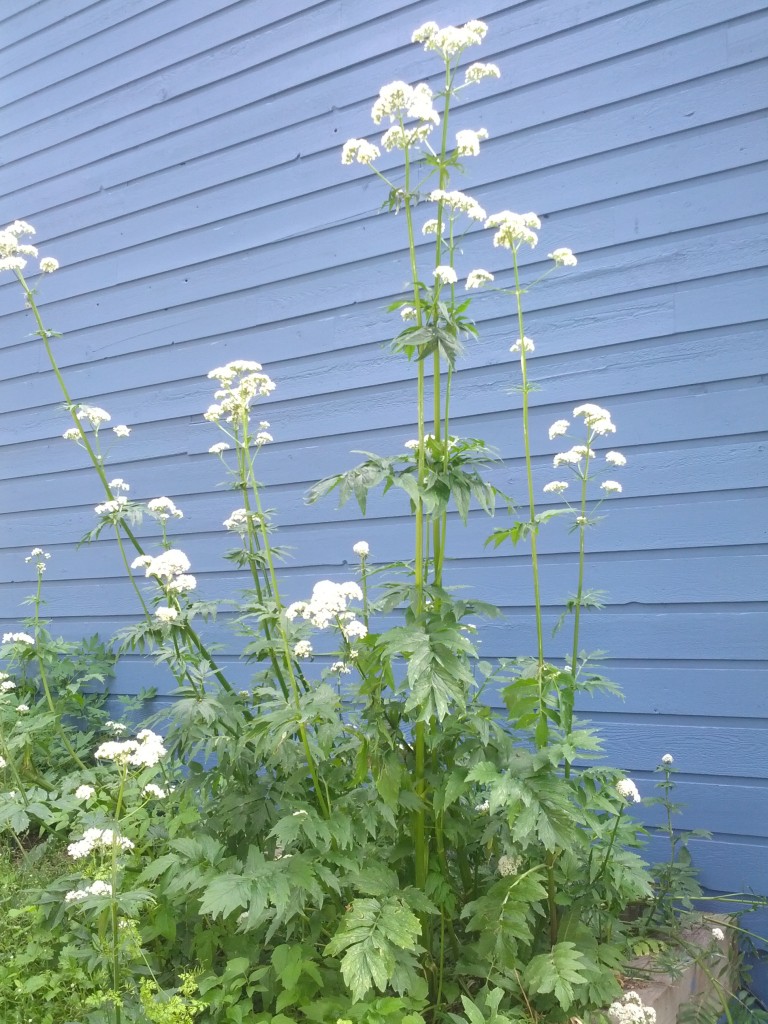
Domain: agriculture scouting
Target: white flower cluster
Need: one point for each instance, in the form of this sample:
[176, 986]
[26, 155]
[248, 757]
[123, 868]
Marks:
[163, 508]
[359, 149]
[514, 228]
[431, 227]
[97, 888]
[563, 257]
[121, 430]
[558, 428]
[522, 343]
[3, 762]
[398, 137]
[458, 201]
[628, 790]
[330, 603]
[667, 759]
[18, 638]
[631, 1011]
[41, 556]
[596, 418]
[164, 614]
[477, 278]
[718, 934]
[113, 507]
[555, 487]
[238, 521]
[6, 683]
[478, 71]
[445, 275]
[452, 39]
[23, 709]
[468, 141]
[168, 565]
[13, 251]
[156, 791]
[219, 447]
[241, 381]
[84, 792]
[361, 549]
[115, 727]
[303, 649]
[118, 484]
[143, 752]
[400, 101]
[92, 414]
[97, 837]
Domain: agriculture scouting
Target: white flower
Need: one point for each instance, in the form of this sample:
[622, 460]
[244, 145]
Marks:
[152, 790]
[95, 837]
[425, 32]
[263, 438]
[446, 275]
[558, 428]
[7, 685]
[477, 71]
[718, 933]
[477, 278]
[570, 458]
[141, 562]
[514, 228]
[23, 709]
[238, 521]
[628, 790]
[164, 614]
[631, 1011]
[398, 137]
[460, 201]
[263, 424]
[555, 487]
[71, 434]
[398, 99]
[611, 486]
[522, 343]
[20, 227]
[451, 40]
[354, 630]
[303, 649]
[84, 792]
[182, 584]
[563, 258]
[468, 141]
[431, 226]
[3, 762]
[667, 759]
[121, 430]
[118, 484]
[18, 638]
[48, 264]
[168, 564]
[227, 374]
[219, 447]
[116, 727]
[108, 508]
[12, 263]
[508, 865]
[341, 668]
[93, 414]
[592, 413]
[483, 808]
[163, 508]
[359, 149]
[328, 603]
[411, 445]
[615, 459]
[144, 752]
[361, 548]
[408, 313]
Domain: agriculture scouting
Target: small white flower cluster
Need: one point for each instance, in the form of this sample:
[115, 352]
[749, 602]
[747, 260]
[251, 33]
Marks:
[563, 257]
[628, 790]
[92, 414]
[93, 838]
[508, 865]
[718, 934]
[432, 226]
[165, 614]
[468, 141]
[156, 791]
[84, 792]
[513, 229]
[477, 278]
[458, 202]
[163, 508]
[631, 1011]
[111, 508]
[445, 275]
[121, 430]
[97, 888]
[13, 251]
[143, 752]
[361, 150]
[6, 683]
[400, 101]
[598, 422]
[23, 709]
[41, 556]
[3, 762]
[555, 487]
[361, 549]
[115, 727]
[522, 343]
[238, 521]
[452, 39]
[168, 565]
[302, 649]
[558, 428]
[18, 638]
[118, 484]
[330, 603]
[242, 381]
[478, 71]
[340, 668]
[219, 447]
[667, 759]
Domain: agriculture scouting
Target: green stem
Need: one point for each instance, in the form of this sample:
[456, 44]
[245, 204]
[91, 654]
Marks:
[532, 505]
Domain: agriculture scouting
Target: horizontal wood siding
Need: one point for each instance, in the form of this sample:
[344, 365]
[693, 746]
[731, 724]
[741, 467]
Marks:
[182, 162]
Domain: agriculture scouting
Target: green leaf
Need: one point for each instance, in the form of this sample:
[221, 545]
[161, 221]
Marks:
[556, 971]
[225, 894]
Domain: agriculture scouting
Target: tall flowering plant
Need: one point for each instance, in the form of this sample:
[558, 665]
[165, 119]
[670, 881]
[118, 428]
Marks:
[368, 840]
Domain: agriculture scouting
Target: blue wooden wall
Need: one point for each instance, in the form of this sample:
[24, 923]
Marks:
[182, 162]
